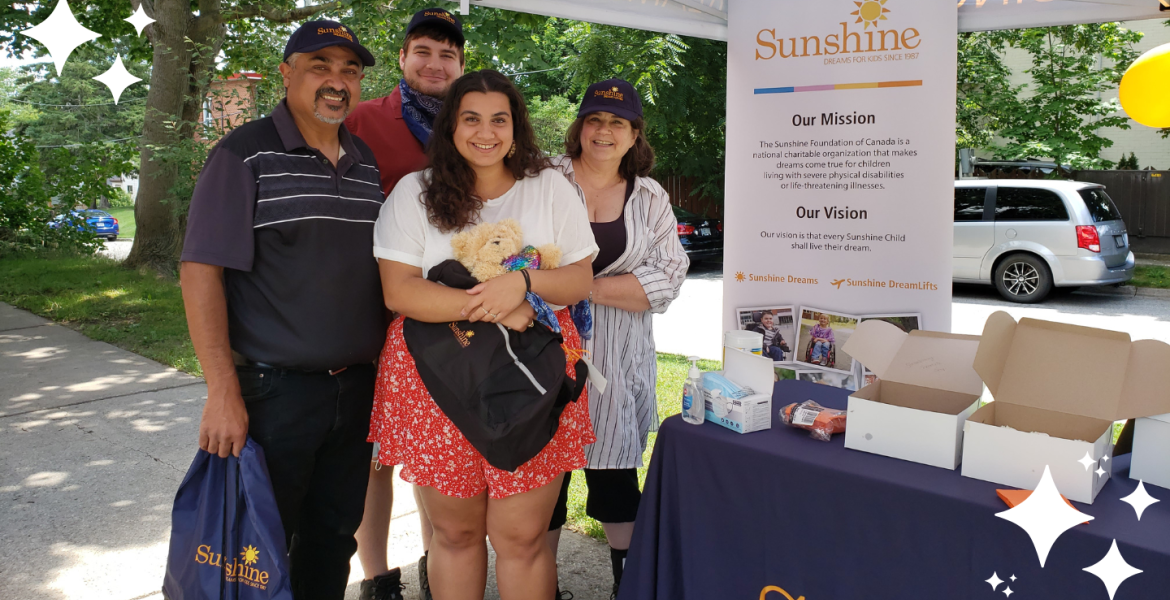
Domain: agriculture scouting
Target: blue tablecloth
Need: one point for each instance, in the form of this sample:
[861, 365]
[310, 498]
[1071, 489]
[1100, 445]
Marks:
[725, 515]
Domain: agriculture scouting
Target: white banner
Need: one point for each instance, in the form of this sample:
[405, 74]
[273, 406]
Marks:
[840, 160]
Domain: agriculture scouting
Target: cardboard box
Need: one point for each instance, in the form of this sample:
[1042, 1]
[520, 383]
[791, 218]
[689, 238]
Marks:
[1058, 389]
[926, 391]
[1151, 451]
[754, 412]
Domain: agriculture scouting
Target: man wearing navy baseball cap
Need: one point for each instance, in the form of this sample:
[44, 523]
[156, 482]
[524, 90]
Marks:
[282, 219]
[397, 128]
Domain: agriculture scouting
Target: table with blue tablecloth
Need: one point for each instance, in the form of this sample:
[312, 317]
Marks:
[776, 513]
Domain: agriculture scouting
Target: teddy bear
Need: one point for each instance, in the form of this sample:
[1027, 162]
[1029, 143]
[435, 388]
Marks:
[489, 250]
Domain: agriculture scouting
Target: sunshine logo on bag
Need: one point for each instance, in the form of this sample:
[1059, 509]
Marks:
[236, 570]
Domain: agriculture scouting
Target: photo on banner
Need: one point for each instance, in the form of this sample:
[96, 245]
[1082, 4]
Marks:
[787, 370]
[907, 322]
[778, 326]
[822, 335]
[831, 378]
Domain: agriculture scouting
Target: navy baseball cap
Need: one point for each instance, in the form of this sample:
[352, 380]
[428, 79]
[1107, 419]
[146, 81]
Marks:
[615, 96]
[439, 18]
[316, 35]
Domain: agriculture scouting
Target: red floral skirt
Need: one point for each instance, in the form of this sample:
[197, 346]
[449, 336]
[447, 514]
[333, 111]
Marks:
[412, 431]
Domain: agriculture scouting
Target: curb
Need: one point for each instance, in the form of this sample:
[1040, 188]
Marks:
[1127, 291]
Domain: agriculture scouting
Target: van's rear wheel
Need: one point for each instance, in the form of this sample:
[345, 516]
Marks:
[1023, 278]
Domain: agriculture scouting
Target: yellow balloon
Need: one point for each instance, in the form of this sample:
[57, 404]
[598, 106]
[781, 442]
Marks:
[1145, 88]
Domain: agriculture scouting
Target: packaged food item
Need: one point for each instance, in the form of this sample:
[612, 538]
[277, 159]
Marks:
[821, 422]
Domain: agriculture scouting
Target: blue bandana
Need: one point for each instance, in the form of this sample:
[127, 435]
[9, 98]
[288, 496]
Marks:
[419, 111]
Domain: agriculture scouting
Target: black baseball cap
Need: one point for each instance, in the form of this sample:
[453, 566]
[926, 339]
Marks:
[615, 96]
[316, 35]
[439, 18]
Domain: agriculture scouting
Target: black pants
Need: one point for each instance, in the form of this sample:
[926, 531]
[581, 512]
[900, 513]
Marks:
[313, 429]
[613, 497]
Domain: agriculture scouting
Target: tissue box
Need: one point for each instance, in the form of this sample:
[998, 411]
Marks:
[926, 391]
[1151, 451]
[754, 412]
[1058, 389]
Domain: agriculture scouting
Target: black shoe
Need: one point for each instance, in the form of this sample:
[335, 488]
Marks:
[613, 596]
[424, 584]
[382, 587]
[563, 595]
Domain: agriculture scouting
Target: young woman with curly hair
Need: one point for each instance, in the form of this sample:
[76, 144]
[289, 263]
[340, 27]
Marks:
[485, 167]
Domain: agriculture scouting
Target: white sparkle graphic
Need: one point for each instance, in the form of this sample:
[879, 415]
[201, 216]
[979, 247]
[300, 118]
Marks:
[1140, 499]
[1044, 516]
[994, 581]
[139, 20]
[117, 78]
[1112, 570]
[1013, 578]
[61, 34]
[1087, 460]
[1104, 459]
[1007, 591]
[1100, 472]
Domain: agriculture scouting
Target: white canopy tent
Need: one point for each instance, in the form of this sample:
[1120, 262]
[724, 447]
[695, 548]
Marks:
[708, 18]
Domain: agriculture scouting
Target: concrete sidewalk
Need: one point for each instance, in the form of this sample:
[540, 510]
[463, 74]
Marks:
[94, 441]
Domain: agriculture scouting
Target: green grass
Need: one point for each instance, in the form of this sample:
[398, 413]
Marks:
[1151, 277]
[96, 296]
[125, 217]
[143, 313]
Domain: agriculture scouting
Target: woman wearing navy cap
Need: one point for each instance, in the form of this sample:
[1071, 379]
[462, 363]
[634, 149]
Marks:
[638, 272]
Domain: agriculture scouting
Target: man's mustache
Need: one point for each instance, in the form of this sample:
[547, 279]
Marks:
[343, 94]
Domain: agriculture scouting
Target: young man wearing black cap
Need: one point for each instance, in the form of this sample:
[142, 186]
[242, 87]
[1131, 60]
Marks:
[397, 128]
[281, 219]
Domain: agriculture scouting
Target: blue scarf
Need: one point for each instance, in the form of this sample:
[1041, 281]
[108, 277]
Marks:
[419, 111]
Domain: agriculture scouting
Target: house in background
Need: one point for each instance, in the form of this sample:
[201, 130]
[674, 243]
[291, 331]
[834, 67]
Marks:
[1146, 143]
[231, 101]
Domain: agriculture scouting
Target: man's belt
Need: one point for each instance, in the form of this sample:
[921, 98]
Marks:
[243, 361]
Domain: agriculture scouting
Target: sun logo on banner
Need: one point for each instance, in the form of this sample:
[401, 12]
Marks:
[250, 554]
[870, 12]
[739, 276]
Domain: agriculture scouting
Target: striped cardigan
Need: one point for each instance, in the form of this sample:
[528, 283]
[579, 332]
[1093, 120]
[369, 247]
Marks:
[622, 347]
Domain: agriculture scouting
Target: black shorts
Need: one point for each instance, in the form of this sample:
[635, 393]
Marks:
[613, 497]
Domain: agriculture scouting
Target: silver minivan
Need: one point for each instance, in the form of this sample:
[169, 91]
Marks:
[1027, 236]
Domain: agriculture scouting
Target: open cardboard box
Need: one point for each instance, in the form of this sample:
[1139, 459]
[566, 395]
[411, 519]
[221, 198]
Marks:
[1151, 451]
[1058, 389]
[925, 393]
[754, 412]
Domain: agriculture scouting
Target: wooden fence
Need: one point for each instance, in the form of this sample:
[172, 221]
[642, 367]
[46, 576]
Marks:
[1142, 197]
[682, 195]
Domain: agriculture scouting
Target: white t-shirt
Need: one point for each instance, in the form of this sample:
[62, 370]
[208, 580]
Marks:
[546, 206]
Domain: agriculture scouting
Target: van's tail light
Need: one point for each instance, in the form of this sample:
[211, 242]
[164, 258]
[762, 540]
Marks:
[685, 229]
[1087, 238]
[719, 227]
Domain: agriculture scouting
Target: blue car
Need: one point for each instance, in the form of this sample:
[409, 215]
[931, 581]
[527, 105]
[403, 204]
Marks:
[100, 221]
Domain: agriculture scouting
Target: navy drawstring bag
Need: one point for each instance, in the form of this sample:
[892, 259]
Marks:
[227, 542]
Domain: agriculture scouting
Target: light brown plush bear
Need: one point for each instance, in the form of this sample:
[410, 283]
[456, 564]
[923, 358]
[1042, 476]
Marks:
[489, 250]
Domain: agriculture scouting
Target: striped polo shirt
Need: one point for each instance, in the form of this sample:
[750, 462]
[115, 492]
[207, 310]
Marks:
[295, 237]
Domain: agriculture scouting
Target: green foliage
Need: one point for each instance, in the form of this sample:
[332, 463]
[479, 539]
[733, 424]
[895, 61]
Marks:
[983, 93]
[120, 199]
[551, 119]
[1128, 163]
[78, 174]
[26, 212]
[76, 109]
[1063, 114]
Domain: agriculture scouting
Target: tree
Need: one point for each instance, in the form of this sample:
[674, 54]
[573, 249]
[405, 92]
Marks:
[984, 96]
[1064, 115]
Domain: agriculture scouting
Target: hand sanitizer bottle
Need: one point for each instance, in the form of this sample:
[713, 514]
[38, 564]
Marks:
[693, 402]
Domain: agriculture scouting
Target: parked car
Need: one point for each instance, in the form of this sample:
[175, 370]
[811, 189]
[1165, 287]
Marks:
[1026, 237]
[702, 238]
[102, 223]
